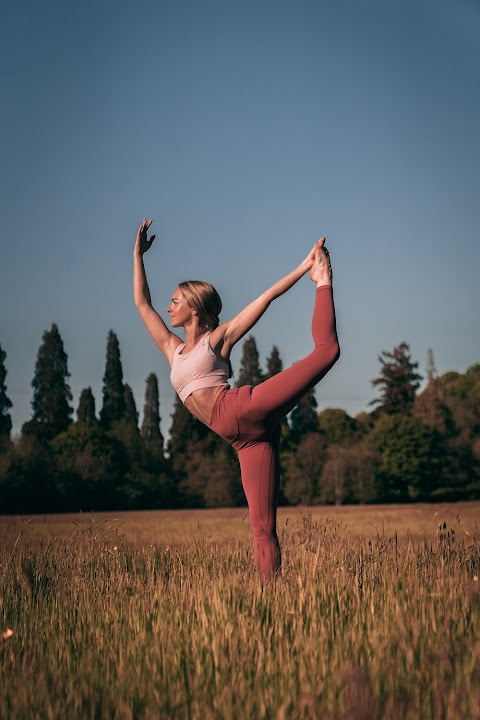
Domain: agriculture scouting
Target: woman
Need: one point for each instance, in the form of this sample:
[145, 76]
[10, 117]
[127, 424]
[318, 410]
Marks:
[247, 417]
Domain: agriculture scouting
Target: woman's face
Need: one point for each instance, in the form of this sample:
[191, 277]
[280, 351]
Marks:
[179, 310]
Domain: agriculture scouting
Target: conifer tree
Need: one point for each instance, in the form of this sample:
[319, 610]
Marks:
[113, 389]
[303, 418]
[131, 413]
[5, 404]
[51, 392]
[398, 381]
[151, 432]
[86, 408]
[274, 363]
[250, 372]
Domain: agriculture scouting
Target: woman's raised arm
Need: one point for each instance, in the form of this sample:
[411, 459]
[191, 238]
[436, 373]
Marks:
[161, 335]
[233, 330]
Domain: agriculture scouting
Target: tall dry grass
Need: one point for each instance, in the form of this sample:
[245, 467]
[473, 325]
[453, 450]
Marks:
[107, 624]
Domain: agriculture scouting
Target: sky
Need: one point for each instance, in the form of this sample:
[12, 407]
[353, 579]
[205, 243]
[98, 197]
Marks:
[246, 130]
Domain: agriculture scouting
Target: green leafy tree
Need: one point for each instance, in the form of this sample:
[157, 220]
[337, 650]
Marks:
[304, 468]
[348, 475]
[113, 389]
[398, 382]
[337, 426]
[5, 405]
[86, 408]
[409, 457]
[51, 392]
[151, 432]
[250, 372]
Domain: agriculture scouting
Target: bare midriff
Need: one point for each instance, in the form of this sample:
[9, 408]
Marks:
[201, 402]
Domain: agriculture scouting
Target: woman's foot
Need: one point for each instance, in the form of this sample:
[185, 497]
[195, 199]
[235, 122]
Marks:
[321, 272]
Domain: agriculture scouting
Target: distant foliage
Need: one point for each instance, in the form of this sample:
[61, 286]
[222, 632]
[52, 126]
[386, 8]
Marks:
[113, 407]
[398, 381]
[250, 372]
[86, 408]
[5, 404]
[151, 432]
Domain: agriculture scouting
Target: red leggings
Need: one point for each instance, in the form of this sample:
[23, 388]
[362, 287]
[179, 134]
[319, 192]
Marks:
[249, 419]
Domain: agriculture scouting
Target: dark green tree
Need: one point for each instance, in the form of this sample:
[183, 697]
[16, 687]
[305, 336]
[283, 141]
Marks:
[51, 392]
[303, 418]
[151, 432]
[86, 408]
[274, 363]
[131, 413]
[250, 372]
[113, 389]
[304, 468]
[337, 426]
[409, 457]
[398, 382]
[5, 405]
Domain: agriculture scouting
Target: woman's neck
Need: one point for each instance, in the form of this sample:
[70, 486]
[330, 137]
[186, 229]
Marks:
[193, 333]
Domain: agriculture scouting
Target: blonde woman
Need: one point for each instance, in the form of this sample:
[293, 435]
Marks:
[246, 417]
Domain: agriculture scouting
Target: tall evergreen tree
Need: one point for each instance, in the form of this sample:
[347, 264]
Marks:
[86, 408]
[398, 381]
[151, 432]
[5, 404]
[274, 363]
[250, 371]
[51, 392]
[113, 389]
[303, 418]
[131, 412]
[431, 368]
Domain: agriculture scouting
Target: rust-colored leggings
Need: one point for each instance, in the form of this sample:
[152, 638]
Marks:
[248, 418]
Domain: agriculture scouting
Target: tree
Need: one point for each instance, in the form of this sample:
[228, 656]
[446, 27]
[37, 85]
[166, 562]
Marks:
[131, 413]
[274, 363]
[409, 457]
[250, 372]
[349, 475]
[151, 432]
[303, 418]
[5, 405]
[398, 382]
[337, 426]
[304, 468]
[51, 392]
[113, 389]
[86, 408]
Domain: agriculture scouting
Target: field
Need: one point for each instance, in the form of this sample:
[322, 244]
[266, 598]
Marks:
[159, 615]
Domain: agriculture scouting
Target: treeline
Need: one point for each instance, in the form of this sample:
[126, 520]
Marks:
[411, 446]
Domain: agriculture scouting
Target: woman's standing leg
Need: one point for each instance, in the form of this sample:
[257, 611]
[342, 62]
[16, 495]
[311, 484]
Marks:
[260, 466]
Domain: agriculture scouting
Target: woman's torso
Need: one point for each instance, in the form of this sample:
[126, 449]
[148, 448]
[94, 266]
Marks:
[201, 402]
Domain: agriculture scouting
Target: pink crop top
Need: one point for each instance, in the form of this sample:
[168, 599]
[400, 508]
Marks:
[200, 368]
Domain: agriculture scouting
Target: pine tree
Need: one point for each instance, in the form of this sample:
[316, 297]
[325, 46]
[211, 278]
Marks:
[274, 363]
[431, 368]
[131, 413]
[5, 404]
[303, 418]
[113, 389]
[86, 408]
[250, 372]
[51, 392]
[398, 382]
[151, 432]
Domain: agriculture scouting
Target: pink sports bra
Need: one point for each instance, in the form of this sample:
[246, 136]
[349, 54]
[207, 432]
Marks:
[200, 368]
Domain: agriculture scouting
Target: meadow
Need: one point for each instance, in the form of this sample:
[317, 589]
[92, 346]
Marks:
[160, 615]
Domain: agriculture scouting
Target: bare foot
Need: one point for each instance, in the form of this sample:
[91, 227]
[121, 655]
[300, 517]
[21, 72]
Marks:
[321, 271]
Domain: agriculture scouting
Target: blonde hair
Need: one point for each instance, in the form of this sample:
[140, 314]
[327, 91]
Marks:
[204, 299]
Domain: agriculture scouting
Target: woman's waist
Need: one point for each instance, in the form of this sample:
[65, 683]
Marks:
[201, 402]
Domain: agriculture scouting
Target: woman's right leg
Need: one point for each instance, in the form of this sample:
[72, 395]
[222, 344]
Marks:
[280, 393]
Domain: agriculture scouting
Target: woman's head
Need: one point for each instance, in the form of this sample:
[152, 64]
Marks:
[204, 299]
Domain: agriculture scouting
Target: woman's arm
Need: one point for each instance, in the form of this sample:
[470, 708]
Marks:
[161, 335]
[233, 330]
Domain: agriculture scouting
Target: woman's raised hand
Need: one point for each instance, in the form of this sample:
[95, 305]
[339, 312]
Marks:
[142, 243]
[310, 259]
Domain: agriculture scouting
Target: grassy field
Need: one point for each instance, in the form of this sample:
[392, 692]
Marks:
[159, 615]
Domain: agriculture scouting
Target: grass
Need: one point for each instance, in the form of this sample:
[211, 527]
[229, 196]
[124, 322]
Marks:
[159, 615]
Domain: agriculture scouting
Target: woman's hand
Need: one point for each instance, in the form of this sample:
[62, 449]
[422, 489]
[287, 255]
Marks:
[142, 243]
[310, 259]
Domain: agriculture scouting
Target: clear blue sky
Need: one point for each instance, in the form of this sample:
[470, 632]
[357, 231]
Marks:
[246, 130]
